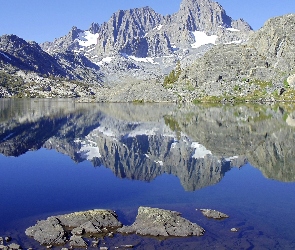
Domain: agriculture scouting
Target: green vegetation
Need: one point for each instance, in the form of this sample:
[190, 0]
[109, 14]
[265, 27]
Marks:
[236, 88]
[138, 101]
[173, 75]
[286, 84]
[261, 84]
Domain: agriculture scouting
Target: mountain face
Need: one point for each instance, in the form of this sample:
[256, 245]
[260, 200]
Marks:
[207, 16]
[125, 32]
[28, 56]
[261, 65]
[141, 33]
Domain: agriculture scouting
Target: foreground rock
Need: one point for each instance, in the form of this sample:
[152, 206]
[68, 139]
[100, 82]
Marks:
[48, 232]
[210, 213]
[52, 231]
[160, 222]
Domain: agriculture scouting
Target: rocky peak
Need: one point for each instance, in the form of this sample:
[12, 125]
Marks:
[11, 42]
[125, 27]
[74, 33]
[94, 28]
[205, 15]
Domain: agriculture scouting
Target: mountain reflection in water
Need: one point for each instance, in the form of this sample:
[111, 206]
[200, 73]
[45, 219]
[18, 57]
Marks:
[198, 144]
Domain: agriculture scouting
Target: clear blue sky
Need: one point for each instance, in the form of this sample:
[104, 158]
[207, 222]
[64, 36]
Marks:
[44, 20]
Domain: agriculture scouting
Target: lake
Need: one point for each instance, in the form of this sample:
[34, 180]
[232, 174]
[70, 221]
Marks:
[58, 156]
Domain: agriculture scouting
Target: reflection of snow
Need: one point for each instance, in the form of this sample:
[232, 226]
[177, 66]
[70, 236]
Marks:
[143, 132]
[89, 152]
[7, 137]
[231, 158]
[201, 38]
[106, 131]
[89, 149]
[200, 151]
[159, 162]
[86, 38]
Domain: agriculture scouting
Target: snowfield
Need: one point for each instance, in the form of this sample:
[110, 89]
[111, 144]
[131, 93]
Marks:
[201, 38]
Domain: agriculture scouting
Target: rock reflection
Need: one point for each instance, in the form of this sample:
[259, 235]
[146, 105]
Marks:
[197, 144]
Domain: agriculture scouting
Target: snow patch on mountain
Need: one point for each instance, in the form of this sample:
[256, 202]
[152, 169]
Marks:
[143, 59]
[235, 42]
[233, 29]
[86, 38]
[201, 38]
[159, 27]
[105, 60]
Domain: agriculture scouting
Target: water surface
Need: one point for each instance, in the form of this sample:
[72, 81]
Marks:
[58, 156]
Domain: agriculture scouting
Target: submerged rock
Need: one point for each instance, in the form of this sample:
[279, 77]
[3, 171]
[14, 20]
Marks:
[14, 246]
[160, 222]
[210, 213]
[234, 229]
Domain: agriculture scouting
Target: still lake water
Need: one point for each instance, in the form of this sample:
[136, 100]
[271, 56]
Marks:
[57, 156]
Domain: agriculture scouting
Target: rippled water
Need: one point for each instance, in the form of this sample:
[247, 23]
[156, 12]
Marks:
[57, 156]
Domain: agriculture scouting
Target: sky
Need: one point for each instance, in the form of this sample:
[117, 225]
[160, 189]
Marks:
[44, 20]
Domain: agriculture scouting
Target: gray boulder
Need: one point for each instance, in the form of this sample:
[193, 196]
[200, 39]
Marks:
[48, 232]
[160, 222]
[98, 217]
[52, 230]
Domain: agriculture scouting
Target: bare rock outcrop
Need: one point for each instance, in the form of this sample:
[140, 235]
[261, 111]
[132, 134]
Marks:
[160, 222]
[54, 230]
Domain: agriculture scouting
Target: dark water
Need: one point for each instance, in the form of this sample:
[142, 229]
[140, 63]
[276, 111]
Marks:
[59, 157]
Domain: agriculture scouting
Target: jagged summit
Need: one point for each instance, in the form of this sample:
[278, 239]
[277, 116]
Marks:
[206, 15]
[141, 32]
[202, 15]
[125, 30]
[143, 44]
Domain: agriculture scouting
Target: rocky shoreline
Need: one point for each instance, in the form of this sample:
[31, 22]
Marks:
[87, 229]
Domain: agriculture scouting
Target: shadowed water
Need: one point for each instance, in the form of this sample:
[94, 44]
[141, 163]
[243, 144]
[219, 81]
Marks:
[58, 156]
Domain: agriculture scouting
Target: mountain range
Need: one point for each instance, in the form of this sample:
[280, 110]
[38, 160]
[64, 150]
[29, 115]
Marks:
[140, 47]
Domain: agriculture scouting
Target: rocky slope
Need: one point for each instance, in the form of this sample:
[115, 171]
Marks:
[265, 65]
